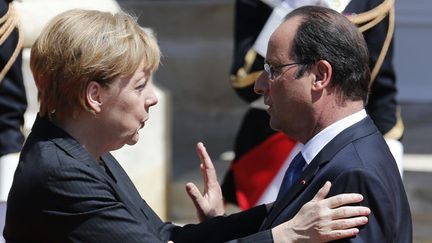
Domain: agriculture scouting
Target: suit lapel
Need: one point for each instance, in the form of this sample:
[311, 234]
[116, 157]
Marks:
[363, 128]
[78, 152]
[299, 186]
[111, 173]
[124, 187]
[47, 130]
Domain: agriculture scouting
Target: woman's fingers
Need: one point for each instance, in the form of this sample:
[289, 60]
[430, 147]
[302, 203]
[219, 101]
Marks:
[322, 193]
[194, 194]
[210, 177]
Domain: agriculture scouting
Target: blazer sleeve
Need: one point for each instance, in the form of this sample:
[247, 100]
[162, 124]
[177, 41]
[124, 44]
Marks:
[376, 197]
[223, 228]
[261, 237]
[80, 206]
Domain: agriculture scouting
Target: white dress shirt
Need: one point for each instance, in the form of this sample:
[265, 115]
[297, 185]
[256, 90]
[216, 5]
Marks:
[317, 143]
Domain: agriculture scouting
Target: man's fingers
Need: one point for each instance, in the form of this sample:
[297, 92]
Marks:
[349, 211]
[322, 193]
[194, 194]
[343, 199]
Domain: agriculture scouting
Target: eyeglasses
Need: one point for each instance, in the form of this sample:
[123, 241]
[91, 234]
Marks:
[270, 69]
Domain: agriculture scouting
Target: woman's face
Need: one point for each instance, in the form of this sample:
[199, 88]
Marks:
[125, 108]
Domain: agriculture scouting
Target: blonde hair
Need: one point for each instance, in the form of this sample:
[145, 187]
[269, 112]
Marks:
[80, 46]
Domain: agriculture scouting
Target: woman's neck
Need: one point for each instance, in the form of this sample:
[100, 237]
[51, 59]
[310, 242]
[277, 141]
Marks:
[83, 130]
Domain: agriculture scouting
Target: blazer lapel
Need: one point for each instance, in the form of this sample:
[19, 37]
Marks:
[75, 149]
[299, 186]
[78, 152]
[363, 128]
[124, 186]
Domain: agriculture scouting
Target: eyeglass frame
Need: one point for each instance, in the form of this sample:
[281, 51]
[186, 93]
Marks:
[269, 69]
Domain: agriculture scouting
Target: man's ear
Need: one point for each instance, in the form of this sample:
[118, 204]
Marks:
[94, 96]
[323, 75]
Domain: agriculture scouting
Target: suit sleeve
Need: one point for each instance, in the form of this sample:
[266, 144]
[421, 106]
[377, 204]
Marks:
[223, 228]
[84, 207]
[376, 197]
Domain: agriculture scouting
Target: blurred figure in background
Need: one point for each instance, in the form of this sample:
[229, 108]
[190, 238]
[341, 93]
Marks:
[261, 154]
[13, 102]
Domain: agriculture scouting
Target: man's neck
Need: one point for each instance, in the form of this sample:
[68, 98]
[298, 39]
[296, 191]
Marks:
[330, 114]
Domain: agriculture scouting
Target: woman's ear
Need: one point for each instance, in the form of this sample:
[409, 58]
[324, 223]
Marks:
[94, 96]
[323, 74]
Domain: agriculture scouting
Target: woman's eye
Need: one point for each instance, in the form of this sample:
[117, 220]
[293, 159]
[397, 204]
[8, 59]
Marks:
[141, 86]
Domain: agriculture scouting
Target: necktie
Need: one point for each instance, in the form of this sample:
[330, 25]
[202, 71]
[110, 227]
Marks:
[291, 175]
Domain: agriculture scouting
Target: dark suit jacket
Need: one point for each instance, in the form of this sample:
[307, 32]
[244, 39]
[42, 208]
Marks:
[60, 194]
[356, 160]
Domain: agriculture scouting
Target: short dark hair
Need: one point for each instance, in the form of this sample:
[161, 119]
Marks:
[325, 34]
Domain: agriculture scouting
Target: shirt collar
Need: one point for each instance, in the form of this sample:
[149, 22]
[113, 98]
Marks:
[317, 143]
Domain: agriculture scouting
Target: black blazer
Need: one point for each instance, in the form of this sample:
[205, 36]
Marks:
[60, 194]
[357, 160]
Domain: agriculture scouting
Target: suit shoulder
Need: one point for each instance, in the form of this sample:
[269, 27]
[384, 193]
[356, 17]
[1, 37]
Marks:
[43, 154]
[40, 159]
[366, 152]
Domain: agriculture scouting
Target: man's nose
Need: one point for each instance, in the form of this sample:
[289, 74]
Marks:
[261, 84]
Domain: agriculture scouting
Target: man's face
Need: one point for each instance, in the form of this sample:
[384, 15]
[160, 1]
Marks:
[287, 97]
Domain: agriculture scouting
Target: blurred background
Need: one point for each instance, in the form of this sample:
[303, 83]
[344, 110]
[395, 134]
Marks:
[198, 103]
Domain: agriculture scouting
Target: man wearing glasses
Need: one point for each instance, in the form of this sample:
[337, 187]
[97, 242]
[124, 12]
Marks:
[262, 154]
[316, 85]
